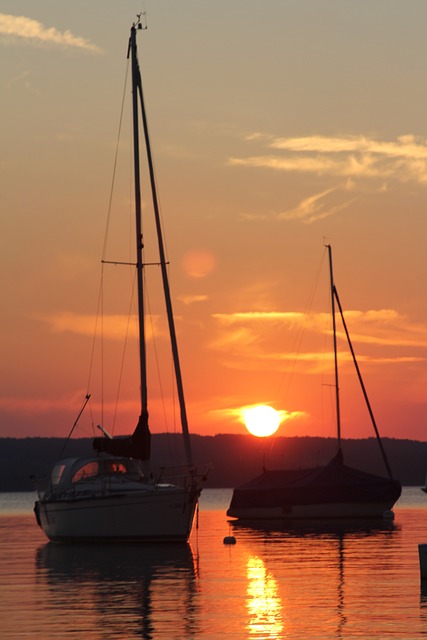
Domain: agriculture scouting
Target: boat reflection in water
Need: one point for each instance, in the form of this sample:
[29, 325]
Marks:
[150, 588]
[305, 527]
[294, 568]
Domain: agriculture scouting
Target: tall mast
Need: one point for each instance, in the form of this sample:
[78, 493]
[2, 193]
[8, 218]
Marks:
[334, 331]
[137, 90]
[139, 243]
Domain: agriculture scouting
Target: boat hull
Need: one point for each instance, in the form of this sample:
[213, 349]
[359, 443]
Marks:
[332, 491]
[161, 515]
[313, 511]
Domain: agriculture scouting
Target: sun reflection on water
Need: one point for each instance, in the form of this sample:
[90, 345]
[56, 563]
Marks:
[263, 601]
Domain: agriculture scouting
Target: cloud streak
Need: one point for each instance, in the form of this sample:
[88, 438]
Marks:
[114, 327]
[34, 32]
[405, 146]
[315, 207]
[378, 326]
[403, 159]
[246, 335]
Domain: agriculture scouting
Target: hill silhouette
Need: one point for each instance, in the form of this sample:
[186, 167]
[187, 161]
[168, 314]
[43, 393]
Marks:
[234, 458]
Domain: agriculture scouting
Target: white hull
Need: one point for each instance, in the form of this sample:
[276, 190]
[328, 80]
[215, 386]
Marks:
[165, 514]
[312, 511]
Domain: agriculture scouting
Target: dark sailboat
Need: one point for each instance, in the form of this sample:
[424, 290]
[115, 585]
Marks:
[334, 490]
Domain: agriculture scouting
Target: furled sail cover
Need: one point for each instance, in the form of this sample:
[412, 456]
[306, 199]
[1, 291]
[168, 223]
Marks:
[332, 483]
[138, 445]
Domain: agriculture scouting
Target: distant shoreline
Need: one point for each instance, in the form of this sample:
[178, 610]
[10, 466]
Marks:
[234, 459]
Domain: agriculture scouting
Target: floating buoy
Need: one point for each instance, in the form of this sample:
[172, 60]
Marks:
[229, 540]
[388, 515]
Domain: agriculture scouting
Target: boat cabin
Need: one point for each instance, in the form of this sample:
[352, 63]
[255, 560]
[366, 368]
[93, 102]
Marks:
[83, 475]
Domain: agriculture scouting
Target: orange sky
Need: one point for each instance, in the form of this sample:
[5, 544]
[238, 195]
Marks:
[275, 126]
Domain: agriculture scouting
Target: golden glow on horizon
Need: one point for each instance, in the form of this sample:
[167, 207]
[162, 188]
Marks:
[261, 421]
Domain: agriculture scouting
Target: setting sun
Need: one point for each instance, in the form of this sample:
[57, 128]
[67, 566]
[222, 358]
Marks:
[262, 420]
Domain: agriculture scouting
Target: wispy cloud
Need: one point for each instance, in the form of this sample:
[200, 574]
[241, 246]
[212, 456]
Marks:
[378, 326]
[34, 32]
[386, 327]
[405, 146]
[192, 299]
[249, 316]
[33, 405]
[38, 404]
[312, 208]
[114, 327]
[356, 157]
[316, 207]
[247, 336]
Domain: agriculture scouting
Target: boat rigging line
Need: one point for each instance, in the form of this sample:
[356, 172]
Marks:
[87, 398]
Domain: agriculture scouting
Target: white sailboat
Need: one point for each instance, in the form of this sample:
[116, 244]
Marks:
[115, 495]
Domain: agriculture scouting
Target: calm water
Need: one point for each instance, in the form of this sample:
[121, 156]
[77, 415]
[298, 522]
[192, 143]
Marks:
[353, 582]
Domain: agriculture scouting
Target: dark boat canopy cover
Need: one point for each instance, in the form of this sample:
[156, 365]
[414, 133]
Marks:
[334, 482]
[138, 445]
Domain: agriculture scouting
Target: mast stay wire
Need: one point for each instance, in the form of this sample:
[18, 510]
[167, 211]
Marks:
[99, 310]
[298, 341]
